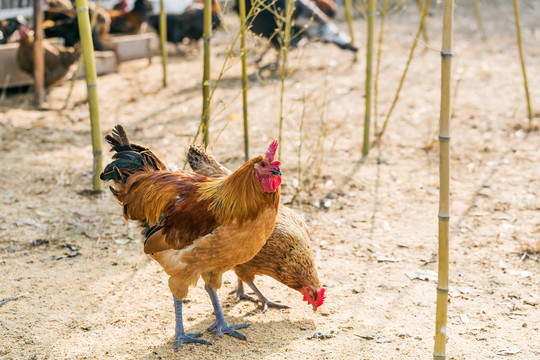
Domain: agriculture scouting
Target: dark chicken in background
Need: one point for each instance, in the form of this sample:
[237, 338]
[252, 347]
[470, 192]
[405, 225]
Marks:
[133, 21]
[58, 59]
[8, 27]
[308, 22]
[195, 226]
[189, 24]
[328, 7]
[287, 256]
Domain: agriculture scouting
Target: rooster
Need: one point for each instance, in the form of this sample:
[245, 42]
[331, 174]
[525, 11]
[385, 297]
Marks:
[286, 256]
[189, 24]
[195, 226]
[308, 21]
[58, 59]
[328, 7]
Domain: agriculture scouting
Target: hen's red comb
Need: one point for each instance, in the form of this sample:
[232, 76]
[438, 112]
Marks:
[271, 152]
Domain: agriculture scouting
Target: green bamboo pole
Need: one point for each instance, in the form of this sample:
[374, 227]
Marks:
[444, 179]
[478, 17]
[39, 58]
[378, 67]
[163, 40]
[347, 7]
[91, 82]
[77, 71]
[404, 75]
[423, 20]
[207, 24]
[520, 50]
[369, 61]
[289, 9]
[242, 11]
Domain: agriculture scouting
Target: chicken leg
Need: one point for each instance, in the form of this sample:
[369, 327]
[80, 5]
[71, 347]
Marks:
[241, 295]
[180, 336]
[221, 325]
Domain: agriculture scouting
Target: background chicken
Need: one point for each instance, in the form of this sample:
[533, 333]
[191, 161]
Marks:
[328, 7]
[286, 256]
[308, 21]
[194, 225]
[189, 24]
[133, 21]
[58, 59]
[9, 26]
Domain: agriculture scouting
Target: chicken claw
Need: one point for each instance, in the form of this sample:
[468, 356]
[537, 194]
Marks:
[221, 325]
[180, 336]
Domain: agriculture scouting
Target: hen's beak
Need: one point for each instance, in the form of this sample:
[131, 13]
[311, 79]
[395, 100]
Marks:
[314, 307]
[276, 172]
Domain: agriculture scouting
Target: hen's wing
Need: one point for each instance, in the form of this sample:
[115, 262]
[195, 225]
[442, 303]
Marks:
[205, 164]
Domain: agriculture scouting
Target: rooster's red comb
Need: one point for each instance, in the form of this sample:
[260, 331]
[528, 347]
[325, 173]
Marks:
[271, 152]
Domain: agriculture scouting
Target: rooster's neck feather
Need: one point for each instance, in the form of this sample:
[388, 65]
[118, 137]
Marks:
[238, 197]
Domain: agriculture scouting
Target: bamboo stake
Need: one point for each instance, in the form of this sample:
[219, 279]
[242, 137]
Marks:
[242, 11]
[520, 50]
[378, 67]
[39, 57]
[347, 6]
[163, 40]
[289, 9]
[423, 20]
[478, 18]
[77, 71]
[207, 24]
[369, 61]
[91, 82]
[404, 75]
[444, 179]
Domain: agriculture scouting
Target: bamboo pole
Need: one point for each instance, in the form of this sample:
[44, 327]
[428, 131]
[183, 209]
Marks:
[439, 351]
[39, 58]
[378, 67]
[347, 7]
[91, 82]
[404, 75]
[423, 20]
[478, 17]
[522, 59]
[163, 40]
[242, 11]
[77, 71]
[207, 24]
[369, 61]
[289, 9]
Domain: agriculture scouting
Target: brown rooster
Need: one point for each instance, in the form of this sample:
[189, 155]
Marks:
[196, 226]
[58, 59]
[328, 7]
[286, 256]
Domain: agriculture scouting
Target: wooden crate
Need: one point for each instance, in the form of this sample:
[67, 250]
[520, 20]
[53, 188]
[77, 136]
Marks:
[136, 46]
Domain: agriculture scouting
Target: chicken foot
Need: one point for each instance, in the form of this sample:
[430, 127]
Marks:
[180, 336]
[221, 324]
[241, 295]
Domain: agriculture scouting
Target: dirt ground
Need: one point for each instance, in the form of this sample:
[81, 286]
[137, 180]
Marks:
[89, 292]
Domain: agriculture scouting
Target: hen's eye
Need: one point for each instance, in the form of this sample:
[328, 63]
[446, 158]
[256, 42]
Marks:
[263, 165]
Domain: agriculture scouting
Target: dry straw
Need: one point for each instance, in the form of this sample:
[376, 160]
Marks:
[207, 34]
[439, 351]
[85, 31]
[163, 40]
[242, 11]
[369, 73]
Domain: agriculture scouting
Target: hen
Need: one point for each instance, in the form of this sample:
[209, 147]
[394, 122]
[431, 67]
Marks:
[58, 59]
[10, 26]
[189, 24]
[286, 256]
[308, 21]
[133, 21]
[195, 226]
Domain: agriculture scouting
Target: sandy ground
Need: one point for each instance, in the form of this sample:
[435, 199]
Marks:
[89, 292]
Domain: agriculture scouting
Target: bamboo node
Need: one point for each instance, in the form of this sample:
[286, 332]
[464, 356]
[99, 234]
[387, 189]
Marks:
[82, 10]
[444, 217]
[439, 357]
[371, 14]
[89, 86]
[441, 290]
[445, 138]
[446, 54]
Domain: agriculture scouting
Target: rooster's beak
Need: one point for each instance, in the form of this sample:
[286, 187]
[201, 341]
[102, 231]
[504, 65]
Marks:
[276, 172]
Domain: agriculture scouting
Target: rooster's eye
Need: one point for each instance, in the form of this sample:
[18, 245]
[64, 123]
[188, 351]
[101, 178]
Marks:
[263, 165]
